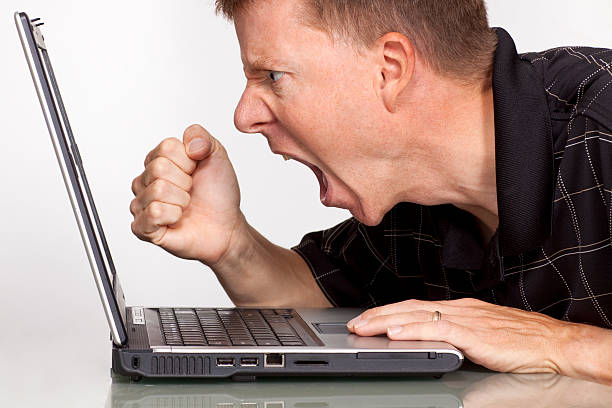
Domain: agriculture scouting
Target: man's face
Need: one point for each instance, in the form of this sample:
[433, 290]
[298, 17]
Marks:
[314, 99]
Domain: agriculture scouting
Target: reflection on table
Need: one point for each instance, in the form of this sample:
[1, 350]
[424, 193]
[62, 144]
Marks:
[470, 388]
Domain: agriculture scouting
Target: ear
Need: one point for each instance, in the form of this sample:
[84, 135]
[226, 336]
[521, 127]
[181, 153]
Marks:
[396, 61]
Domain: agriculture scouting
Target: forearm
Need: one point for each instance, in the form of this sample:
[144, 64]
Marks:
[255, 272]
[587, 351]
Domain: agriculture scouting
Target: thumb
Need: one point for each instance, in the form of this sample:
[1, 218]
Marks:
[198, 142]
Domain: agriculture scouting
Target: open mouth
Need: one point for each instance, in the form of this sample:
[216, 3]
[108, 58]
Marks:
[323, 184]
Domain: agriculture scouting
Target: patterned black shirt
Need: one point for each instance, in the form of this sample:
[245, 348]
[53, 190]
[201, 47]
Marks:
[552, 252]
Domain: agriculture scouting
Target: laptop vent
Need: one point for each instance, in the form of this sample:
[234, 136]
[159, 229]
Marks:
[174, 365]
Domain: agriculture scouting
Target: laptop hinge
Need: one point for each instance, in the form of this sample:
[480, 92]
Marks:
[38, 37]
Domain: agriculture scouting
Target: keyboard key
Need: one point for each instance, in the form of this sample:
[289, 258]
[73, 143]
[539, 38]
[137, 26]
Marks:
[292, 343]
[219, 343]
[268, 343]
[283, 312]
[243, 342]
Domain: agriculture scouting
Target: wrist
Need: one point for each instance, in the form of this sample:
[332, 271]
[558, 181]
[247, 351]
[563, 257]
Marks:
[240, 244]
[587, 353]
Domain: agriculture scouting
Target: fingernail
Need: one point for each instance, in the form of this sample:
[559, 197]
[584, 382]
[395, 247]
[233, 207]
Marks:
[352, 322]
[196, 145]
[394, 330]
[361, 323]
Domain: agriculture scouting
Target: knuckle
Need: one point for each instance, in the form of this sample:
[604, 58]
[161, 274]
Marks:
[135, 185]
[154, 210]
[158, 188]
[167, 146]
[385, 320]
[412, 304]
[134, 228]
[470, 301]
[133, 206]
[158, 167]
[368, 314]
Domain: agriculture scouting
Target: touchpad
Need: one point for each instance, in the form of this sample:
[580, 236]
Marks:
[332, 328]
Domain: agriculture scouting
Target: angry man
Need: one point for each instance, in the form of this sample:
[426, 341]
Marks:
[479, 180]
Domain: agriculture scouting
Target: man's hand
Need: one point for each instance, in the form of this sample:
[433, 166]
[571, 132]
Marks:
[497, 337]
[187, 199]
[188, 202]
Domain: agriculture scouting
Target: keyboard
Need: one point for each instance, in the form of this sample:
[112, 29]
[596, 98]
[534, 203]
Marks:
[228, 327]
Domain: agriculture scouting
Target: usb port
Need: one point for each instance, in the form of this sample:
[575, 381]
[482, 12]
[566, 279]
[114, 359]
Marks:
[225, 362]
[249, 362]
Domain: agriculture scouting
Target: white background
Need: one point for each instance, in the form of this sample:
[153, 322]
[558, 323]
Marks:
[132, 73]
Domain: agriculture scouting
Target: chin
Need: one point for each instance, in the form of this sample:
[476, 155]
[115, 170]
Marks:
[370, 219]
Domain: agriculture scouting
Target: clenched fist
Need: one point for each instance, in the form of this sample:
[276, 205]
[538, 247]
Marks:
[187, 199]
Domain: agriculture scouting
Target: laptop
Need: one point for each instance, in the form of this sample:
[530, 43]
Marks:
[241, 343]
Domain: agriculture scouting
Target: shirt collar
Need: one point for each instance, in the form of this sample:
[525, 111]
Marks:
[524, 170]
[523, 151]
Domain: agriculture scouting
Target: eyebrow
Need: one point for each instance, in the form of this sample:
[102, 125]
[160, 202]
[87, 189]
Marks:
[262, 64]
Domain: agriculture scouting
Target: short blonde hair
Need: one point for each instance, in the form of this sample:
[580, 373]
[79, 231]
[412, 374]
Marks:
[453, 36]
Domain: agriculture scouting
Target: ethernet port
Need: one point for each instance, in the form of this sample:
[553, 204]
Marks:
[274, 360]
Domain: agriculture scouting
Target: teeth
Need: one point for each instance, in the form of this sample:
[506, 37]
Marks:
[324, 179]
[286, 157]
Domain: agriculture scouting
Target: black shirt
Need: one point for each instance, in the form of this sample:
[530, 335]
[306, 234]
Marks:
[552, 252]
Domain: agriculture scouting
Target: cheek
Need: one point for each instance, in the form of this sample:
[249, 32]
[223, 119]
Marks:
[335, 117]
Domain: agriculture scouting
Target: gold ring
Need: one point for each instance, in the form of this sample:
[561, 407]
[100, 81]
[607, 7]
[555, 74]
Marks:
[437, 316]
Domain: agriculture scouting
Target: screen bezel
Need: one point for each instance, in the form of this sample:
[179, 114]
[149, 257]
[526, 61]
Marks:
[75, 179]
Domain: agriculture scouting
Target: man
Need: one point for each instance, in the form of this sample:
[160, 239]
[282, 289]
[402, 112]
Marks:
[471, 172]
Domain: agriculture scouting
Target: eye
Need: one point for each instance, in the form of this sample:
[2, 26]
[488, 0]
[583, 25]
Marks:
[275, 76]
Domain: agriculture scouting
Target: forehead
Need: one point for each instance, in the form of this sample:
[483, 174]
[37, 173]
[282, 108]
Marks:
[270, 30]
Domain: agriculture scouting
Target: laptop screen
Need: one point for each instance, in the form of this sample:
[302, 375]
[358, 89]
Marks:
[74, 176]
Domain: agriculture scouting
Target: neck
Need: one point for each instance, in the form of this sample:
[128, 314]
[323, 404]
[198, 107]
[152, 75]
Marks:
[455, 132]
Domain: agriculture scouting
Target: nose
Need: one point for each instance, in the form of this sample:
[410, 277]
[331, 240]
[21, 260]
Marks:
[252, 113]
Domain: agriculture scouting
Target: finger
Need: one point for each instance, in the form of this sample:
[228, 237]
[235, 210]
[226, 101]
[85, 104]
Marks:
[138, 185]
[198, 143]
[163, 168]
[379, 324]
[174, 150]
[152, 223]
[443, 306]
[443, 330]
[160, 191]
[400, 307]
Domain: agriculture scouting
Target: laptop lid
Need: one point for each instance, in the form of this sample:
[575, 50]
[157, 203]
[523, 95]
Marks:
[73, 173]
